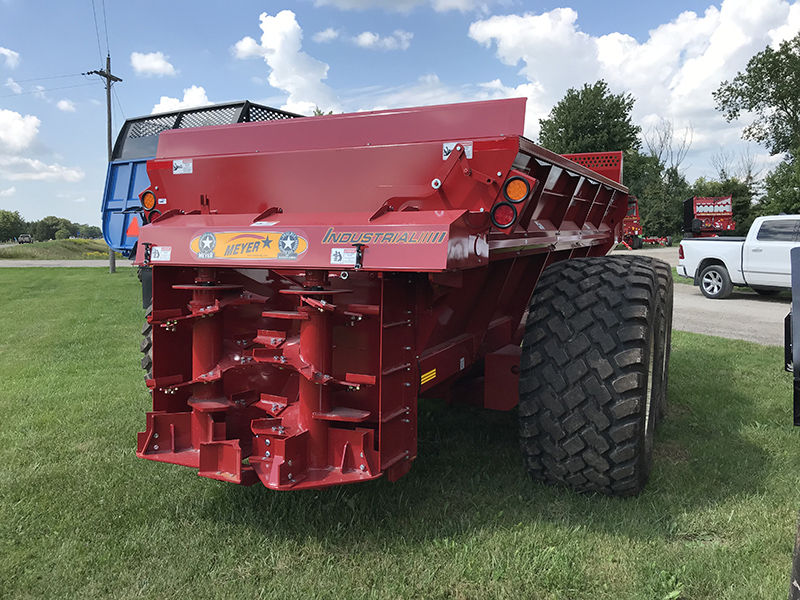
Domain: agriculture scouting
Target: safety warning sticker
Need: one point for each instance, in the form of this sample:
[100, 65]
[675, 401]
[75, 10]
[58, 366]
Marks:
[160, 253]
[448, 147]
[343, 256]
[182, 167]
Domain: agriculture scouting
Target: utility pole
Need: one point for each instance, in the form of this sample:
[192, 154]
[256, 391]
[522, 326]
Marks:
[112, 262]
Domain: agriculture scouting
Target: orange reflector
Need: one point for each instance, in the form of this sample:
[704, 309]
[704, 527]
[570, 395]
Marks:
[516, 189]
[149, 200]
[133, 228]
[503, 215]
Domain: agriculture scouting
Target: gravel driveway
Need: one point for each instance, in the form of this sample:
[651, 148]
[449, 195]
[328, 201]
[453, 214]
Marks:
[743, 316]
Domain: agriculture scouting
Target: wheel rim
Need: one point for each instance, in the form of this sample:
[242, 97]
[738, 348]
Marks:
[712, 282]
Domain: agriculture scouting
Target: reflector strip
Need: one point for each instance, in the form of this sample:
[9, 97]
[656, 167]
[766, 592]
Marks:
[429, 376]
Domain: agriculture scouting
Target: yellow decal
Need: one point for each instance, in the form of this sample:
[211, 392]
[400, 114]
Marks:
[429, 376]
[279, 245]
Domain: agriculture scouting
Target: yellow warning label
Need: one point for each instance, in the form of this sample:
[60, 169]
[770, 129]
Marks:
[429, 376]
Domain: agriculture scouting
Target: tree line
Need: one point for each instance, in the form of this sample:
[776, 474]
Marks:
[593, 119]
[49, 228]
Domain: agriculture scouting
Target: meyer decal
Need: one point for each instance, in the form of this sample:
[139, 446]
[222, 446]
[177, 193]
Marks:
[398, 237]
[278, 245]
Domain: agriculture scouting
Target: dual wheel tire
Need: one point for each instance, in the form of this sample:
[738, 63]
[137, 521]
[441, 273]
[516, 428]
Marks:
[593, 373]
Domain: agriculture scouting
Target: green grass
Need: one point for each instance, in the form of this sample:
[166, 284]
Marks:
[58, 250]
[81, 517]
[678, 279]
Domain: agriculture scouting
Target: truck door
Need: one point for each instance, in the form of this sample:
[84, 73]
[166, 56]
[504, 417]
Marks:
[766, 255]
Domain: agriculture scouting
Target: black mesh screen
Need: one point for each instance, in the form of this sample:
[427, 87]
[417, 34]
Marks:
[264, 113]
[209, 116]
[151, 126]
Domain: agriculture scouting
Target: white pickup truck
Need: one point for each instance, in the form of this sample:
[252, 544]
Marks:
[760, 260]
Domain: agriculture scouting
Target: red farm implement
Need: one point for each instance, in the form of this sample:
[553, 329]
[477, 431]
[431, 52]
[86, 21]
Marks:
[609, 164]
[632, 237]
[312, 277]
[708, 217]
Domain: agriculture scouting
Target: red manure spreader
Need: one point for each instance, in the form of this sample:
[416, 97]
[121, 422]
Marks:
[309, 278]
[708, 217]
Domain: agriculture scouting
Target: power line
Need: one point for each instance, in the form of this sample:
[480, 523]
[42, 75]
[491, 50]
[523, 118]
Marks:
[66, 87]
[105, 28]
[45, 78]
[119, 104]
[97, 31]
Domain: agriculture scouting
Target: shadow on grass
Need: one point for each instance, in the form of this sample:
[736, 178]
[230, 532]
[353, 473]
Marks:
[468, 475]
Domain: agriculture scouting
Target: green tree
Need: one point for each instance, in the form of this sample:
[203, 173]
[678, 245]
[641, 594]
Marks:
[591, 119]
[90, 231]
[46, 228]
[11, 225]
[782, 190]
[62, 234]
[769, 87]
[661, 203]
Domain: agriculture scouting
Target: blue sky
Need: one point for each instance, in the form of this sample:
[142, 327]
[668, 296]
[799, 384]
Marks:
[350, 55]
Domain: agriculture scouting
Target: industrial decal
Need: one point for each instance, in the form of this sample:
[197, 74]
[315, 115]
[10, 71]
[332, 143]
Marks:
[268, 245]
[397, 237]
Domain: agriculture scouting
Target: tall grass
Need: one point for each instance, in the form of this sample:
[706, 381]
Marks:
[81, 517]
[76, 249]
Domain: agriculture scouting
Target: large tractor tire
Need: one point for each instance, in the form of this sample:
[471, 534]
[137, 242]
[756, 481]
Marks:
[146, 345]
[663, 332]
[588, 387]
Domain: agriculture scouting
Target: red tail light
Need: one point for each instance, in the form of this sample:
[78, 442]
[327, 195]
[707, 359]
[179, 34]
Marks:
[680, 251]
[504, 215]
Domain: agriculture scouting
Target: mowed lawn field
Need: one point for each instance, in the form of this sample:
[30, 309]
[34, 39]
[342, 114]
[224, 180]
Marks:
[82, 517]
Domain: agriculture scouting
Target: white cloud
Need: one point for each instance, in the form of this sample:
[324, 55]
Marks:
[152, 63]
[291, 70]
[12, 58]
[17, 131]
[326, 35]
[399, 40]
[66, 105]
[193, 96]
[13, 86]
[405, 5]
[8, 192]
[672, 74]
[17, 168]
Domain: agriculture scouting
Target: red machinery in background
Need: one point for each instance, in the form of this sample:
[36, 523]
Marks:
[708, 217]
[312, 277]
[609, 164]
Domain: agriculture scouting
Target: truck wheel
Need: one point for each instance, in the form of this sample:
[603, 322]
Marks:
[588, 388]
[146, 345]
[715, 282]
[669, 241]
[638, 243]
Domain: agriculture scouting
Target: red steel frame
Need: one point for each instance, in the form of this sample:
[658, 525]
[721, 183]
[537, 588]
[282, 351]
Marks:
[313, 277]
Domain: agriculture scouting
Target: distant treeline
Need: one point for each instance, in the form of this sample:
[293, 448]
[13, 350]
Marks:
[49, 228]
